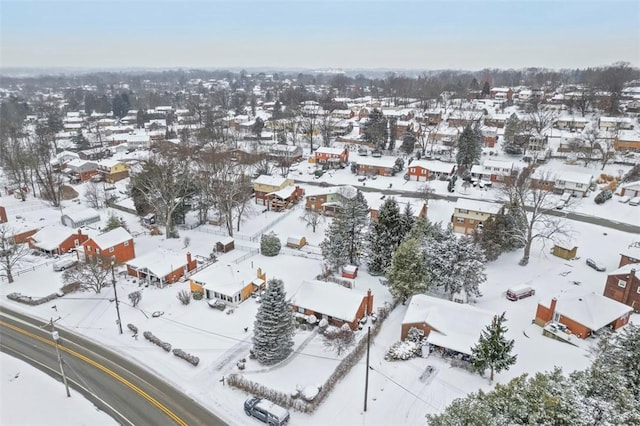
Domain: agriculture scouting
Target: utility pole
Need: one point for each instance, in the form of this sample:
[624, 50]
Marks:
[56, 336]
[366, 377]
[115, 291]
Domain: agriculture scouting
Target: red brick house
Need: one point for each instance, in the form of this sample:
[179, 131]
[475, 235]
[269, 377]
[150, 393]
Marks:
[375, 166]
[329, 200]
[630, 255]
[623, 285]
[284, 198]
[117, 242]
[161, 267]
[56, 239]
[326, 300]
[631, 189]
[331, 156]
[422, 170]
[82, 170]
[3, 215]
[583, 314]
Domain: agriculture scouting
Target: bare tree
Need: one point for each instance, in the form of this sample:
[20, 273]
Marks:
[340, 339]
[539, 120]
[95, 195]
[232, 193]
[309, 126]
[93, 274]
[311, 218]
[10, 252]
[530, 206]
[426, 191]
[135, 297]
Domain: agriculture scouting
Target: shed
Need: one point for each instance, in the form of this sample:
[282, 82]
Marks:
[564, 252]
[296, 242]
[79, 218]
[149, 219]
[350, 271]
[224, 245]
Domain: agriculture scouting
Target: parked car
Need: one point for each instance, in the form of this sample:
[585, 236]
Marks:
[520, 292]
[592, 264]
[634, 201]
[266, 411]
[624, 199]
[603, 196]
[65, 263]
[362, 178]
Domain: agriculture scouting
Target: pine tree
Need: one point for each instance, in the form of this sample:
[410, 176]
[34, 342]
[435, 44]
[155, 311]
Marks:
[375, 129]
[511, 128]
[469, 146]
[407, 274]
[486, 89]
[493, 350]
[274, 328]
[384, 237]
[407, 220]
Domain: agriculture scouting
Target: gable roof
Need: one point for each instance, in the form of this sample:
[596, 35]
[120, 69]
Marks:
[478, 206]
[270, 180]
[224, 278]
[434, 166]
[591, 310]
[160, 262]
[626, 269]
[329, 150]
[81, 215]
[329, 299]
[50, 237]
[111, 238]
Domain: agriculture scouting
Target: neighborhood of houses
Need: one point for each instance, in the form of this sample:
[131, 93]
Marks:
[314, 176]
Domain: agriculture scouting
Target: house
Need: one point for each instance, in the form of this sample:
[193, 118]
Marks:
[225, 244]
[265, 184]
[328, 200]
[501, 93]
[370, 166]
[296, 242]
[227, 282]
[583, 314]
[418, 213]
[489, 136]
[56, 239]
[470, 214]
[285, 153]
[62, 159]
[577, 184]
[627, 140]
[631, 254]
[284, 198]
[493, 170]
[116, 242]
[161, 267]
[82, 170]
[615, 123]
[623, 285]
[337, 304]
[331, 156]
[631, 189]
[496, 120]
[446, 324]
[423, 170]
[3, 215]
[94, 154]
[350, 271]
[77, 218]
[567, 252]
[571, 123]
[113, 170]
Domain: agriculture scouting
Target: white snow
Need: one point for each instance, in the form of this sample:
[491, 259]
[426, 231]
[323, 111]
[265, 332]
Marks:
[329, 299]
[112, 238]
[589, 309]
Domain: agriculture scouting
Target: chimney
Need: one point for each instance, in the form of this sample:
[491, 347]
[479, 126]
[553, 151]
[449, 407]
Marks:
[552, 308]
[627, 289]
[369, 302]
[79, 231]
[188, 258]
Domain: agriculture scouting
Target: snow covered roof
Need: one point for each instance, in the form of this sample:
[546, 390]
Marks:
[159, 262]
[284, 193]
[500, 164]
[329, 150]
[347, 191]
[377, 162]
[50, 237]
[626, 269]
[329, 299]
[112, 238]
[634, 186]
[80, 215]
[270, 180]
[574, 177]
[108, 163]
[478, 206]
[224, 278]
[434, 166]
[225, 240]
[454, 325]
[591, 310]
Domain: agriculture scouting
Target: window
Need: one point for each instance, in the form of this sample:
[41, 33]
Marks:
[97, 251]
[126, 243]
[88, 248]
[622, 283]
[579, 185]
[459, 220]
[471, 221]
[76, 243]
[638, 290]
[561, 182]
[463, 211]
[412, 170]
[312, 199]
[110, 249]
[301, 309]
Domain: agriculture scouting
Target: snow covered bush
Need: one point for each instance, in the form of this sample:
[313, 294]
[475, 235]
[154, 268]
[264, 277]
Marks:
[133, 328]
[198, 295]
[339, 338]
[270, 244]
[135, 297]
[309, 393]
[184, 296]
[415, 335]
[323, 324]
[194, 360]
[402, 351]
[153, 339]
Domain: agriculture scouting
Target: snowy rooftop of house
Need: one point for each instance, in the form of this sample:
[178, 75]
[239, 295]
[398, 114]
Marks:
[225, 240]
[634, 186]
[455, 326]
[50, 237]
[224, 278]
[569, 118]
[498, 164]
[270, 180]
[159, 262]
[346, 191]
[591, 310]
[112, 238]
[329, 150]
[108, 163]
[77, 163]
[626, 269]
[67, 154]
[434, 166]
[80, 214]
[329, 299]
[565, 174]
[286, 148]
[478, 206]
[284, 193]
[377, 162]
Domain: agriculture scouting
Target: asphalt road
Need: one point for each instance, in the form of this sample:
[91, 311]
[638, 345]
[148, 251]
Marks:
[125, 391]
[600, 221]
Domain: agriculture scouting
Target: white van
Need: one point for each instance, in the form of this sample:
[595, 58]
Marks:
[65, 263]
[520, 292]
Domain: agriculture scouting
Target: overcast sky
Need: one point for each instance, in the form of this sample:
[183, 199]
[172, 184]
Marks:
[319, 34]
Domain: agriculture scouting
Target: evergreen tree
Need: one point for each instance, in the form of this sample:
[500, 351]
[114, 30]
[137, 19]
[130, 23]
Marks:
[474, 84]
[375, 129]
[486, 89]
[496, 236]
[344, 239]
[493, 350]
[407, 221]
[469, 147]
[273, 329]
[80, 141]
[408, 142]
[511, 127]
[257, 127]
[114, 222]
[407, 275]
[456, 264]
[384, 236]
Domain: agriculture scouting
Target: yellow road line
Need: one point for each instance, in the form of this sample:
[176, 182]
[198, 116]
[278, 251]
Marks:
[104, 369]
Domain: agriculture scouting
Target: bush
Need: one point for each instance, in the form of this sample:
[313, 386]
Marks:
[28, 300]
[70, 288]
[198, 295]
[270, 244]
[402, 351]
[135, 297]
[194, 360]
[153, 339]
[132, 328]
[184, 296]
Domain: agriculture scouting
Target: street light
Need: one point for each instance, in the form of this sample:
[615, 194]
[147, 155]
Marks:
[115, 291]
[56, 336]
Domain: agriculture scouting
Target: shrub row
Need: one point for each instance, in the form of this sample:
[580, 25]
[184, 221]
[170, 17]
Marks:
[132, 328]
[153, 339]
[194, 360]
[340, 281]
[28, 300]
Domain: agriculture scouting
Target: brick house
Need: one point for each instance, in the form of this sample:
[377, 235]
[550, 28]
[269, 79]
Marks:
[470, 215]
[422, 170]
[629, 255]
[631, 189]
[328, 200]
[337, 304]
[117, 242]
[56, 239]
[161, 267]
[284, 198]
[370, 166]
[496, 120]
[623, 285]
[493, 170]
[627, 140]
[82, 170]
[265, 184]
[227, 283]
[501, 93]
[489, 136]
[331, 156]
[583, 314]
[290, 153]
[577, 184]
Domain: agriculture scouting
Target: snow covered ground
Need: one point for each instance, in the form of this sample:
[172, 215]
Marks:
[396, 394]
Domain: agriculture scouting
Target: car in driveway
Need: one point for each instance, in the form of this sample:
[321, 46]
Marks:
[266, 411]
[592, 264]
[65, 263]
